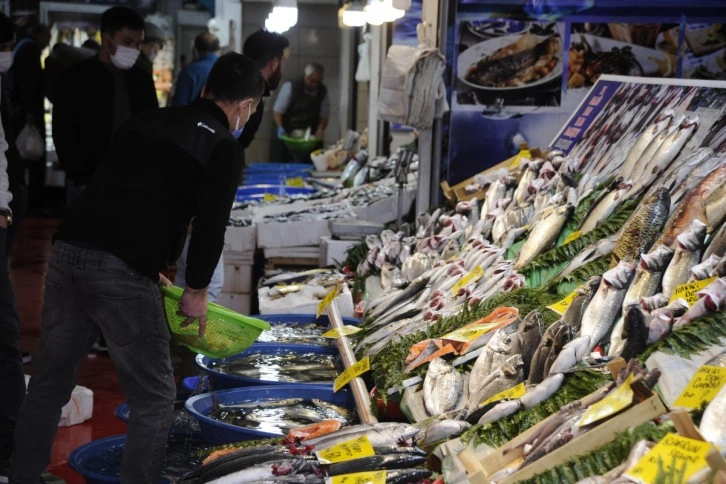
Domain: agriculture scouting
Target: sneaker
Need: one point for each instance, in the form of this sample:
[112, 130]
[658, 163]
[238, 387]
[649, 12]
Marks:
[27, 358]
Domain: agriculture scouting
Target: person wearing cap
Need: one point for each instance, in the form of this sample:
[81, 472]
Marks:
[151, 45]
[164, 168]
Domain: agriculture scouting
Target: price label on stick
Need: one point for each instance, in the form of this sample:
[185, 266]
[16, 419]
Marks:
[561, 306]
[358, 369]
[346, 330]
[703, 387]
[473, 276]
[674, 456]
[348, 450]
[323, 305]
[514, 392]
[615, 401]
[370, 477]
[689, 290]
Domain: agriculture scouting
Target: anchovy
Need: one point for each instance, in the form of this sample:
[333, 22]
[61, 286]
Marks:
[646, 137]
[543, 235]
[649, 273]
[641, 229]
[687, 255]
[602, 311]
[443, 387]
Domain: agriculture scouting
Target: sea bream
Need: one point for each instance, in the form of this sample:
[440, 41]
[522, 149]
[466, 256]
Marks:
[645, 138]
[443, 387]
[687, 255]
[605, 306]
[642, 228]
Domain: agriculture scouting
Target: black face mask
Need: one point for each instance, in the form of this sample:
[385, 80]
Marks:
[274, 81]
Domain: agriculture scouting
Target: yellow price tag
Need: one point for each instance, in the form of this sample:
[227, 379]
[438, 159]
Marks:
[514, 392]
[370, 477]
[344, 331]
[561, 306]
[673, 455]
[295, 182]
[348, 450]
[269, 197]
[473, 276]
[358, 369]
[614, 402]
[688, 290]
[323, 305]
[573, 236]
[470, 333]
[520, 155]
[703, 387]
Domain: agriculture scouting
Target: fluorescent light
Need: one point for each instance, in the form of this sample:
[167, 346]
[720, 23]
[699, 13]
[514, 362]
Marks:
[379, 11]
[353, 15]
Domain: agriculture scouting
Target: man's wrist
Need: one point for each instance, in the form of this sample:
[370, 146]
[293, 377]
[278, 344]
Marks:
[193, 291]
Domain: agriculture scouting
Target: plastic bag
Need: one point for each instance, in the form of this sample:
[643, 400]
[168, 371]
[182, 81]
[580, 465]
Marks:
[30, 143]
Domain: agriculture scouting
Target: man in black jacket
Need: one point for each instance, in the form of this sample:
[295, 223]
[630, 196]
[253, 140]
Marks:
[164, 168]
[98, 95]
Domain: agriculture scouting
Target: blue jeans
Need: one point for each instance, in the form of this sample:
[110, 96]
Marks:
[88, 293]
[12, 381]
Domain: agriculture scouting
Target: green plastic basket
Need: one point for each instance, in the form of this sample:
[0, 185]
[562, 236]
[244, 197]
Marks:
[227, 334]
[300, 145]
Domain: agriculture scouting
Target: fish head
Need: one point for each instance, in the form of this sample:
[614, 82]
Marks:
[665, 117]
[692, 238]
[690, 122]
[656, 260]
[619, 276]
[532, 320]
[439, 366]
[512, 366]
[590, 287]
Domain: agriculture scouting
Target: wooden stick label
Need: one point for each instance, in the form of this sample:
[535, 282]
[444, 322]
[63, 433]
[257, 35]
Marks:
[358, 369]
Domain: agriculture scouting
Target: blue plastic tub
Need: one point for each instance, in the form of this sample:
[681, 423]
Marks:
[279, 167]
[216, 432]
[123, 412]
[220, 381]
[247, 193]
[296, 320]
[99, 461]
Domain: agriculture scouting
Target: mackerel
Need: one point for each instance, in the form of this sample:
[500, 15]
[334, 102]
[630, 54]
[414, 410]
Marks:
[602, 311]
[687, 255]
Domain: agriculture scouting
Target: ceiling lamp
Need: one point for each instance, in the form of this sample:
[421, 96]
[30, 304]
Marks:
[379, 11]
[353, 15]
[283, 16]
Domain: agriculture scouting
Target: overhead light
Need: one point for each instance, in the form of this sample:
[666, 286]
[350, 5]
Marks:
[283, 15]
[276, 24]
[353, 15]
[379, 11]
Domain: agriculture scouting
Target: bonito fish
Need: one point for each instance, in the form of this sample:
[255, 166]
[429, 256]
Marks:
[687, 255]
[641, 229]
[605, 306]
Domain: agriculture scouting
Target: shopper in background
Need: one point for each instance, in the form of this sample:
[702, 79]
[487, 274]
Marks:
[268, 51]
[303, 104]
[151, 45]
[191, 79]
[164, 168]
[12, 380]
[95, 97]
[62, 57]
[28, 95]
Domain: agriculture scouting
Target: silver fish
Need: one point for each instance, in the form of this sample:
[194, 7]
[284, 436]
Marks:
[543, 235]
[500, 410]
[379, 434]
[605, 306]
[687, 255]
[712, 423]
[652, 148]
[571, 354]
[574, 312]
[649, 273]
[717, 244]
[509, 374]
[705, 268]
[604, 207]
[443, 387]
[648, 134]
[543, 391]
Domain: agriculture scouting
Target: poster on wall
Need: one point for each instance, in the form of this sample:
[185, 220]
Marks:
[705, 52]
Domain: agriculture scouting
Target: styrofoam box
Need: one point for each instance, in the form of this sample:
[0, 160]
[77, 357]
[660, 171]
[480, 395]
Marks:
[240, 239]
[344, 303]
[333, 250]
[291, 234]
[241, 303]
[386, 210]
[237, 278]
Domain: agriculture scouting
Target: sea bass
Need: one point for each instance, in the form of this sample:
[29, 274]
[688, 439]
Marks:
[649, 273]
[659, 124]
[605, 306]
[687, 255]
[641, 229]
[643, 162]
[544, 234]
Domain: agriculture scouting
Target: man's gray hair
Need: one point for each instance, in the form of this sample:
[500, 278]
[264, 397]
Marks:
[313, 67]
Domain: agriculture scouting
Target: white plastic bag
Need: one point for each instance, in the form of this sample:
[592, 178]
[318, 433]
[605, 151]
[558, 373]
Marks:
[30, 143]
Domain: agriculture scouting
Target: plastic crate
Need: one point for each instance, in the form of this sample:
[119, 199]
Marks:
[219, 380]
[216, 432]
[300, 319]
[247, 193]
[227, 332]
[278, 167]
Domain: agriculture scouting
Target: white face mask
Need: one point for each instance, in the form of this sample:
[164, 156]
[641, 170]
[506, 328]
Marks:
[6, 61]
[237, 130]
[125, 57]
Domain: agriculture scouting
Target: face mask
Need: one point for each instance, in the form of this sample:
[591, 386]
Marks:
[237, 130]
[124, 58]
[6, 61]
[152, 57]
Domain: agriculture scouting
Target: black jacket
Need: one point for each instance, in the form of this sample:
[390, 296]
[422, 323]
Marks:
[83, 114]
[163, 168]
[27, 85]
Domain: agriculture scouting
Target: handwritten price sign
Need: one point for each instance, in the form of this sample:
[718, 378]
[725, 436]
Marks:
[349, 450]
[373, 477]
[356, 370]
[703, 387]
[675, 456]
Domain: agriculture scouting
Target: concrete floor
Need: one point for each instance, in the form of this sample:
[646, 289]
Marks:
[27, 266]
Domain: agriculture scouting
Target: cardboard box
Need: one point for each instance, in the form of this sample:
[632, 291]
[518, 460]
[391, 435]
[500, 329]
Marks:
[239, 239]
[333, 250]
[240, 303]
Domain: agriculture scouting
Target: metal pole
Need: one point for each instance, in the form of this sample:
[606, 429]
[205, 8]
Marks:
[357, 385]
